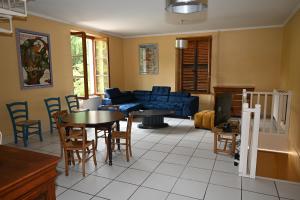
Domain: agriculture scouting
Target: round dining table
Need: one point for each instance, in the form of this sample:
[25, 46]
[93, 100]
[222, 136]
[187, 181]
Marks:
[100, 119]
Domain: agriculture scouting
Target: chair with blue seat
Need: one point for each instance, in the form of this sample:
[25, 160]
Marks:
[53, 105]
[73, 104]
[18, 112]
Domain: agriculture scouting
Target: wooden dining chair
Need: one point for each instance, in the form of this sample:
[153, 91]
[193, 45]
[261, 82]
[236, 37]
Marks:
[71, 144]
[57, 117]
[102, 132]
[73, 104]
[18, 112]
[53, 105]
[123, 135]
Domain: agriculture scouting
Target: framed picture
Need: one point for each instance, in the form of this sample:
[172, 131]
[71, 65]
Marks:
[34, 58]
[148, 57]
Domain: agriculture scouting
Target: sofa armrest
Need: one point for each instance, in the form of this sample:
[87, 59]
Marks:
[191, 106]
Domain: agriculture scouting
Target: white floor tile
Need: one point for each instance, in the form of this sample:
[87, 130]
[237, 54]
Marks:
[169, 169]
[162, 147]
[133, 176]
[148, 194]
[59, 190]
[205, 146]
[226, 179]
[155, 155]
[227, 158]
[190, 188]
[246, 195]
[110, 172]
[144, 164]
[225, 167]
[259, 186]
[177, 159]
[183, 151]
[91, 184]
[118, 191]
[74, 195]
[144, 145]
[67, 181]
[153, 138]
[201, 163]
[188, 143]
[178, 197]
[160, 182]
[98, 198]
[216, 192]
[137, 152]
[203, 153]
[288, 190]
[196, 174]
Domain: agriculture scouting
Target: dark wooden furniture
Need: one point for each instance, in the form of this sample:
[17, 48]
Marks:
[237, 97]
[196, 65]
[96, 119]
[152, 119]
[26, 175]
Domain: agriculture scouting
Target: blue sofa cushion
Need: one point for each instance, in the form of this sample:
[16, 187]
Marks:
[161, 90]
[180, 94]
[112, 92]
[142, 96]
[159, 98]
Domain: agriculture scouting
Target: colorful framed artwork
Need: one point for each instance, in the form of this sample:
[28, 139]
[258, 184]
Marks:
[148, 58]
[34, 58]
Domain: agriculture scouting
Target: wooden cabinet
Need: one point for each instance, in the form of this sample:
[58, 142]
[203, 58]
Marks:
[26, 175]
[237, 96]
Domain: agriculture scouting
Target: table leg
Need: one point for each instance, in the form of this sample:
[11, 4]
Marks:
[118, 140]
[109, 150]
[215, 142]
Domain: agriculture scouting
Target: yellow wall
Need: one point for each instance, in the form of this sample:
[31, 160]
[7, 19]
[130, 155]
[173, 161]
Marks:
[290, 80]
[238, 58]
[61, 67]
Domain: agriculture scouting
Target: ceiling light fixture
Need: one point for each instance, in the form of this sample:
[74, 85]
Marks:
[181, 44]
[186, 6]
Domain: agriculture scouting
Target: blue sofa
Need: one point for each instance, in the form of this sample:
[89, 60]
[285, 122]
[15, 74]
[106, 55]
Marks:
[160, 98]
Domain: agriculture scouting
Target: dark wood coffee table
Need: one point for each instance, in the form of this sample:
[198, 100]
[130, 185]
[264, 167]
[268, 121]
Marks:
[152, 119]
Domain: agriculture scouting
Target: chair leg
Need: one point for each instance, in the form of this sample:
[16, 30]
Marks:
[83, 161]
[130, 151]
[66, 162]
[51, 126]
[94, 154]
[96, 139]
[25, 136]
[16, 135]
[127, 152]
[40, 131]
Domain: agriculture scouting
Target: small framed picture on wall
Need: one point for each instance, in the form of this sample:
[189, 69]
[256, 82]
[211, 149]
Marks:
[148, 58]
[34, 58]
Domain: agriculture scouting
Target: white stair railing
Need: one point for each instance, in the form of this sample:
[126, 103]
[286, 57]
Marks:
[249, 140]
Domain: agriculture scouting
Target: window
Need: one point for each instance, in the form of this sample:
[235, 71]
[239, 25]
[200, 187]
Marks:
[195, 65]
[90, 64]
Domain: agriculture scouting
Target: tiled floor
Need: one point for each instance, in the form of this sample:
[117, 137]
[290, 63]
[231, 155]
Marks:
[174, 163]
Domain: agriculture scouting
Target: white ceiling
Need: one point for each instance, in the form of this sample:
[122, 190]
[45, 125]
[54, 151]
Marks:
[127, 18]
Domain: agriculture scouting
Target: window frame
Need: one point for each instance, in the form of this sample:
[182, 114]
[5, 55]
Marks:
[196, 67]
[84, 37]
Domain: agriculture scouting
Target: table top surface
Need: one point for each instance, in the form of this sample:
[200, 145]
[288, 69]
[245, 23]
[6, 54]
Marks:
[152, 112]
[18, 164]
[93, 118]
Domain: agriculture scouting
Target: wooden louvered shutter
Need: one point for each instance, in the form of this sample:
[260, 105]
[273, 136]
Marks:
[195, 66]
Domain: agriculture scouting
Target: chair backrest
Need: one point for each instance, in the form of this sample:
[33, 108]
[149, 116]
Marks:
[18, 111]
[129, 124]
[67, 136]
[53, 105]
[0, 137]
[57, 116]
[73, 103]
